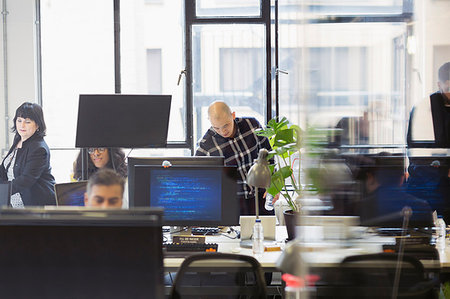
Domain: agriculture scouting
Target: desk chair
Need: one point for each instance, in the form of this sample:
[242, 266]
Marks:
[372, 276]
[219, 275]
[422, 252]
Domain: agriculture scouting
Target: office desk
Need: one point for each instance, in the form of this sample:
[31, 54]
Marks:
[322, 257]
[226, 245]
[318, 253]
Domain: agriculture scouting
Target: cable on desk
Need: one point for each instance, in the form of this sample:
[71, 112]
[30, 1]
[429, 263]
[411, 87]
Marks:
[232, 238]
[178, 231]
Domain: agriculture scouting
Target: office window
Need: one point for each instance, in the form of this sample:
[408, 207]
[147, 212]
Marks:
[354, 7]
[77, 46]
[152, 55]
[241, 69]
[230, 8]
[154, 71]
[231, 67]
[346, 73]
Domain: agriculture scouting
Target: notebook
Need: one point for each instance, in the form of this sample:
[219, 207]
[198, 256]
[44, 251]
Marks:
[5, 193]
[70, 194]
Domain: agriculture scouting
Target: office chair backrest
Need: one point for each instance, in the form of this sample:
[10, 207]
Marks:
[5, 193]
[422, 252]
[372, 276]
[219, 275]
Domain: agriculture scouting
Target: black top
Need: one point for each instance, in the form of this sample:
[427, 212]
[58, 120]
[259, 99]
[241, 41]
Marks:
[32, 172]
[441, 124]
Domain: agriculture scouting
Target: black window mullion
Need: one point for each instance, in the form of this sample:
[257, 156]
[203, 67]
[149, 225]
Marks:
[117, 75]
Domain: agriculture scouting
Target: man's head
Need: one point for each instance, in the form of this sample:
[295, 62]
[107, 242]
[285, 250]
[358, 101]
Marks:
[222, 119]
[104, 190]
[381, 170]
[444, 79]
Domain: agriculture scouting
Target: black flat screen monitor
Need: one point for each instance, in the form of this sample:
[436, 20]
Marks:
[81, 253]
[70, 194]
[384, 194]
[158, 161]
[190, 195]
[117, 120]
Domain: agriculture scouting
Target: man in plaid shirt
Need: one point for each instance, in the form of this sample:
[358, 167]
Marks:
[235, 139]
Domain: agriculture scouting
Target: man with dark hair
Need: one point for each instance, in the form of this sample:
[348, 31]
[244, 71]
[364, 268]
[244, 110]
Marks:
[429, 123]
[105, 190]
[429, 127]
[383, 194]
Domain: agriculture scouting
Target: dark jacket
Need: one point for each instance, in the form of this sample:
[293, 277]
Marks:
[32, 172]
[441, 125]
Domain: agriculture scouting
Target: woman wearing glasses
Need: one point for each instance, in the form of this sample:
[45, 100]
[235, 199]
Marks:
[27, 164]
[99, 158]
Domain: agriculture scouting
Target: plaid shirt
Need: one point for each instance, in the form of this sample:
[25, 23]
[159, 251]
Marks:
[241, 150]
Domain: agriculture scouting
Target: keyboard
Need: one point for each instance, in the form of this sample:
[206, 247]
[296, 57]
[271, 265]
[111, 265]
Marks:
[204, 230]
[185, 249]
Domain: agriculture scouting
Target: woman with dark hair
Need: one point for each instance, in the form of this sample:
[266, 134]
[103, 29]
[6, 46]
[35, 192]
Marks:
[27, 164]
[99, 158]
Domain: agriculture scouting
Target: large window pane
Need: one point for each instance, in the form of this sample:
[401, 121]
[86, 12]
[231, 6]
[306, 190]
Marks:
[354, 7]
[230, 8]
[228, 65]
[77, 41]
[152, 55]
[352, 78]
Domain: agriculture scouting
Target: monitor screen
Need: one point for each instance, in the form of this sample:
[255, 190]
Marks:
[384, 194]
[120, 120]
[70, 194]
[158, 161]
[81, 253]
[190, 195]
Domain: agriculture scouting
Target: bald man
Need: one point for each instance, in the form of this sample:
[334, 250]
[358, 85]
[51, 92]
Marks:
[235, 139]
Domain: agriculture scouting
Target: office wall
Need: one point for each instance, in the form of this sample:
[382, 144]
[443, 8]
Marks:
[20, 60]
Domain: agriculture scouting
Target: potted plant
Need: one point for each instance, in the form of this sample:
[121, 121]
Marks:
[285, 139]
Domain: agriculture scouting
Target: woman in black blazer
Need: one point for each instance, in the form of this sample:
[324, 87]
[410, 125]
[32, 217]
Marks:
[27, 164]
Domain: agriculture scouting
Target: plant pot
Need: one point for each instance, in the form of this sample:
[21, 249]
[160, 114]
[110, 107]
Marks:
[290, 218]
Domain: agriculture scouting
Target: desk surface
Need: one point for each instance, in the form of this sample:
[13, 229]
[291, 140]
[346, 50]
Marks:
[318, 254]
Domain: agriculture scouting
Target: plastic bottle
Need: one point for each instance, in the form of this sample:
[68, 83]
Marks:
[258, 237]
[269, 205]
[441, 229]
[294, 287]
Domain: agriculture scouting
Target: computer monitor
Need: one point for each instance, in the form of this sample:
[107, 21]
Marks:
[158, 161]
[190, 195]
[118, 120]
[70, 194]
[81, 253]
[383, 194]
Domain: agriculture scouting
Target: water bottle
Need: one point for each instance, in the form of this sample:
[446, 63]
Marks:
[269, 205]
[258, 237]
[441, 228]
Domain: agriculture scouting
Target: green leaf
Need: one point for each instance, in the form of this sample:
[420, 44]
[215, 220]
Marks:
[285, 171]
[284, 137]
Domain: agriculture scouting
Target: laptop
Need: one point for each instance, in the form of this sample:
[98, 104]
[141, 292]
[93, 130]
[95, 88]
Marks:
[5, 193]
[70, 194]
